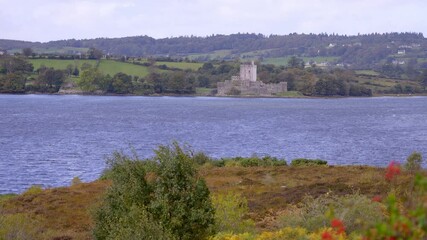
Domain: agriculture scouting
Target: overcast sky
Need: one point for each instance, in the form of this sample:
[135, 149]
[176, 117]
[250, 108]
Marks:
[45, 20]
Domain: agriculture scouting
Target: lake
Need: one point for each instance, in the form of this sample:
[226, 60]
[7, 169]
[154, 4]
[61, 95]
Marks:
[48, 140]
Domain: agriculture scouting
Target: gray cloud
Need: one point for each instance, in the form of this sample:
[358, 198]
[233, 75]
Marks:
[45, 20]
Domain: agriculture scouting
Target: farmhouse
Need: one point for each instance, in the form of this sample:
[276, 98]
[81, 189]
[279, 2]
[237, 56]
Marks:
[401, 52]
[246, 84]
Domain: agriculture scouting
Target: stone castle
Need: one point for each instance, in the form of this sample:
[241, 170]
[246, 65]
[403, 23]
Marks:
[247, 84]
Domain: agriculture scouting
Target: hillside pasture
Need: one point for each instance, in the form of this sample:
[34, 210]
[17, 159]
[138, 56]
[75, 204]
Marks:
[181, 65]
[215, 55]
[367, 72]
[59, 64]
[380, 84]
[112, 67]
[106, 66]
[283, 61]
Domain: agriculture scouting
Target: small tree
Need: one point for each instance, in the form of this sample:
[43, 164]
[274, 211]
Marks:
[128, 196]
[174, 204]
[295, 62]
[230, 212]
[76, 71]
[122, 83]
[413, 162]
[50, 79]
[92, 79]
[27, 52]
[423, 79]
[181, 198]
[94, 53]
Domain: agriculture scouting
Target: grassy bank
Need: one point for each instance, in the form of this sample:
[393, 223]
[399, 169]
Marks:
[270, 191]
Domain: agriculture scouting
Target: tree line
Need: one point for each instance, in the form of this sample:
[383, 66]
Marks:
[361, 51]
[17, 75]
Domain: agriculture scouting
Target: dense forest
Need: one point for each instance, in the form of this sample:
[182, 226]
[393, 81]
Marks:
[364, 51]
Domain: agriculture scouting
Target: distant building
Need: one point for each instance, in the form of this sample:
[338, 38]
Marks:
[398, 62]
[247, 85]
[317, 64]
[401, 52]
[331, 45]
[248, 72]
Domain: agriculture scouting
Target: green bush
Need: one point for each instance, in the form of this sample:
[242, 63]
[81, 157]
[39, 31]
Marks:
[249, 162]
[173, 204]
[253, 161]
[4, 197]
[413, 162]
[404, 223]
[230, 212]
[273, 161]
[356, 211]
[75, 181]
[201, 158]
[129, 190]
[308, 162]
[20, 227]
[181, 198]
[219, 163]
[34, 189]
[137, 224]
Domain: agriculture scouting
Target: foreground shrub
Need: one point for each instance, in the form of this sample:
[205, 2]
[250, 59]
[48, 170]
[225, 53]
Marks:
[413, 162]
[181, 198]
[19, 227]
[230, 211]
[129, 191]
[287, 233]
[174, 204]
[409, 222]
[34, 189]
[254, 161]
[201, 158]
[138, 223]
[76, 181]
[308, 162]
[356, 211]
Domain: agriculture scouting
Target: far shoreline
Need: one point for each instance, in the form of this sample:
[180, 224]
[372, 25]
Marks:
[213, 96]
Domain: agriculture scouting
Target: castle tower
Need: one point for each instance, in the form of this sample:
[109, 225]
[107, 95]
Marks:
[248, 72]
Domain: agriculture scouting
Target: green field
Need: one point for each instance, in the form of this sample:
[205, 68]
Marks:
[181, 65]
[106, 66]
[112, 67]
[59, 64]
[291, 94]
[220, 54]
[367, 72]
[379, 84]
[204, 91]
[282, 61]
[255, 54]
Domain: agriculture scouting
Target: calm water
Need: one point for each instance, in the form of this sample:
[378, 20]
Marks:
[48, 140]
